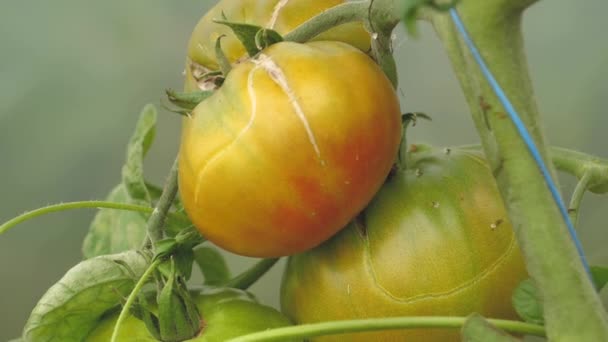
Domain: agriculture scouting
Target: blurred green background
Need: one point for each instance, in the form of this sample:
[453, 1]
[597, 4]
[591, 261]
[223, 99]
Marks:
[74, 76]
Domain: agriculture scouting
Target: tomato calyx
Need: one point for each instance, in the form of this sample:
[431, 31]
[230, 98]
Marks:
[407, 119]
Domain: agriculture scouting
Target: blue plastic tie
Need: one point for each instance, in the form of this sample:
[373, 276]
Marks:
[523, 132]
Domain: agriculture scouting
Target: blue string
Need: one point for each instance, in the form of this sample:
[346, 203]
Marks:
[523, 132]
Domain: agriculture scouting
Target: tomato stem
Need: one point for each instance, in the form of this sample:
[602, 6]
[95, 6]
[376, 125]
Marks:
[577, 197]
[244, 280]
[571, 304]
[338, 15]
[125, 309]
[157, 219]
[80, 205]
[364, 325]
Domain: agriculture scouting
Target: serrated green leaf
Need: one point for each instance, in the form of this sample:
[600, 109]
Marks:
[115, 231]
[478, 329]
[600, 276]
[72, 307]
[212, 265]
[527, 303]
[133, 170]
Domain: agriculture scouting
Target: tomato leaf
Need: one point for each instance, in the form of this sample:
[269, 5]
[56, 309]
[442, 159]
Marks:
[527, 303]
[114, 231]
[212, 265]
[478, 329]
[133, 170]
[526, 299]
[72, 307]
[600, 276]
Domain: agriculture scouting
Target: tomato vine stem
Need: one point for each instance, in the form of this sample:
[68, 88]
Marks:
[570, 302]
[577, 197]
[363, 325]
[244, 280]
[157, 219]
[80, 205]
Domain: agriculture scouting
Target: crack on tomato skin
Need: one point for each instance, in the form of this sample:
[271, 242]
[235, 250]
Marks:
[278, 76]
[275, 13]
[220, 152]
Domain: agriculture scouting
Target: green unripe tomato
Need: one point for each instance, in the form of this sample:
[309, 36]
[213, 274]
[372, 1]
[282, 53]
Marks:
[280, 15]
[226, 313]
[435, 240]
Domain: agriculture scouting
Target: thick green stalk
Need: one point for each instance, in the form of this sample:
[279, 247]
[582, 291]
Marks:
[157, 219]
[573, 311]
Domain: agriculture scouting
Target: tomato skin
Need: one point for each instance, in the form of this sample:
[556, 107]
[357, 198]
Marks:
[289, 149]
[434, 241]
[280, 15]
[226, 313]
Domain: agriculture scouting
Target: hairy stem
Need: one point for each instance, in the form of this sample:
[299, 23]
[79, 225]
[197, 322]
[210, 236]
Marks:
[341, 14]
[572, 308]
[157, 219]
[80, 205]
[363, 325]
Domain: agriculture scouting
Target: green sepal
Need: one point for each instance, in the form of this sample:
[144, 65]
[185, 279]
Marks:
[141, 310]
[247, 34]
[266, 37]
[178, 315]
[187, 100]
[223, 61]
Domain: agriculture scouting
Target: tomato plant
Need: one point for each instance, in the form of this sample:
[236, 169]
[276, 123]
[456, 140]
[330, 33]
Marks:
[227, 313]
[291, 128]
[286, 152]
[435, 240]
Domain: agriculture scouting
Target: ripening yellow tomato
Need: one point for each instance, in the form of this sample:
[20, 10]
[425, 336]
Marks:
[289, 149]
[435, 241]
[280, 15]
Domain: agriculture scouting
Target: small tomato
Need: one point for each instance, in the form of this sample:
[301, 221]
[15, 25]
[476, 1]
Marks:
[226, 313]
[289, 149]
[436, 240]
